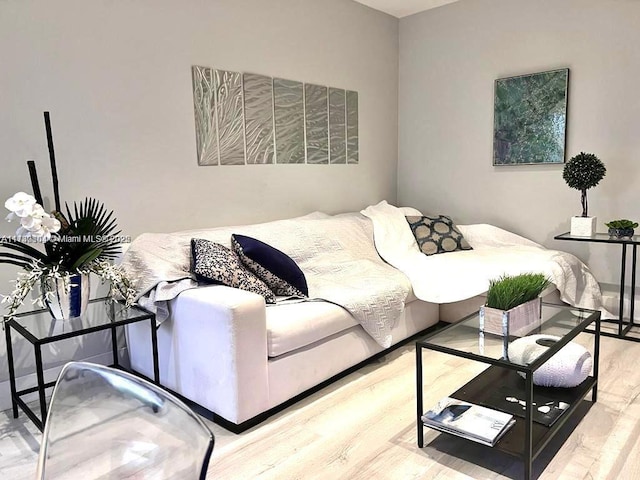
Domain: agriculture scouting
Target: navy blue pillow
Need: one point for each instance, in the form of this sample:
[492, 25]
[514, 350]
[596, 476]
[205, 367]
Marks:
[270, 265]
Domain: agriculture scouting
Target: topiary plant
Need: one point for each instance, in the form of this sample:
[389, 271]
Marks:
[583, 172]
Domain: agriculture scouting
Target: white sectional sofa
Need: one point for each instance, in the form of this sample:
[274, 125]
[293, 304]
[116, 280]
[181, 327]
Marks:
[227, 351]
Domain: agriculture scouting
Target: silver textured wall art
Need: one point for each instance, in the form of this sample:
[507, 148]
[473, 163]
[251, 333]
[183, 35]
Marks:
[337, 126]
[254, 119]
[317, 123]
[288, 107]
[352, 127]
[258, 118]
[229, 117]
[204, 105]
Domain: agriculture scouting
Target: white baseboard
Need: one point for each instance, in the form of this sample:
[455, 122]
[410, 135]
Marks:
[50, 374]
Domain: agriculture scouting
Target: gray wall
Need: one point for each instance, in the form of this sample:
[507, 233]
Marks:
[449, 59]
[116, 77]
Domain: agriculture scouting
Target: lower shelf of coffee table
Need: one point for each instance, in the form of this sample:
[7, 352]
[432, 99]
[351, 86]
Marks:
[479, 390]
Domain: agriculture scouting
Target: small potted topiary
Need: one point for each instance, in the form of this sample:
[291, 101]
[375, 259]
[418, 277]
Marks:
[583, 172]
[513, 304]
[621, 228]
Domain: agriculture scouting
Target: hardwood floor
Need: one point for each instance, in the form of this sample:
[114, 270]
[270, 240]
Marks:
[363, 427]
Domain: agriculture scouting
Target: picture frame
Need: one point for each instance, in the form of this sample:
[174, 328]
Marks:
[530, 118]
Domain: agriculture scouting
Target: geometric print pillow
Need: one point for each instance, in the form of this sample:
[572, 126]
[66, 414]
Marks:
[437, 234]
[215, 263]
[275, 268]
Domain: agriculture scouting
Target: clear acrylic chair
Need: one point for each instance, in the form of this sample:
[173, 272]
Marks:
[104, 423]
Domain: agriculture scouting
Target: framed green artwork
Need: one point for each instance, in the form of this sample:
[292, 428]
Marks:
[530, 118]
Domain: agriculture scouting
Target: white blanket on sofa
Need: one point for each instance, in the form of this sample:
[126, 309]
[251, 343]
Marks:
[336, 254]
[455, 276]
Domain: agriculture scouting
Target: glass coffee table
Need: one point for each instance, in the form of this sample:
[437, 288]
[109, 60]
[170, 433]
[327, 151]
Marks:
[501, 380]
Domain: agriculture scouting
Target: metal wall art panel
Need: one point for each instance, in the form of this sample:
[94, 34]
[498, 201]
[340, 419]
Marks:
[258, 118]
[204, 108]
[352, 127]
[530, 118]
[337, 126]
[230, 118]
[288, 103]
[251, 119]
[317, 123]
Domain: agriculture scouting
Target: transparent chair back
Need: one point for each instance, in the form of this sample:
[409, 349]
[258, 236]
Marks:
[104, 423]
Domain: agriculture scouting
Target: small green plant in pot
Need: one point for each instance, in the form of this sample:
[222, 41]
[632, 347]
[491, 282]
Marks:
[621, 228]
[513, 304]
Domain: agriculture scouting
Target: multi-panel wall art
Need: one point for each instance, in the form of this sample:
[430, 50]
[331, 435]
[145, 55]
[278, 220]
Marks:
[253, 119]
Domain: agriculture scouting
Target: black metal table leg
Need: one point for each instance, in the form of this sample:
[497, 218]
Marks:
[622, 275]
[596, 360]
[419, 395]
[633, 285]
[114, 346]
[12, 373]
[154, 350]
[41, 386]
[528, 432]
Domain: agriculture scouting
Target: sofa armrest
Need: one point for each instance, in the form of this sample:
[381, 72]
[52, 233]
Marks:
[213, 350]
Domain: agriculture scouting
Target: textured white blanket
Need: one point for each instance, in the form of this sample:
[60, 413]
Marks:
[455, 276]
[336, 254]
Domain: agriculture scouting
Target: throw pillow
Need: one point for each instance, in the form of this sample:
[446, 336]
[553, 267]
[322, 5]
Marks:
[273, 267]
[437, 234]
[215, 263]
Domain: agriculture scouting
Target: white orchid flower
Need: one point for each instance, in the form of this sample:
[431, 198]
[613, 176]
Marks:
[49, 225]
[30, 223]
[22, 233]
[38, 211]
[21, 204]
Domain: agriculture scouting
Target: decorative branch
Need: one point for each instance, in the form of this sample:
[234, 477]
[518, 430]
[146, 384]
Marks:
[35, 185]
[52, 159]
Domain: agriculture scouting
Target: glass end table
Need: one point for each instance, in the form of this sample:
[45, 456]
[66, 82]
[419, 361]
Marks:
[39, 328]
[527, 438]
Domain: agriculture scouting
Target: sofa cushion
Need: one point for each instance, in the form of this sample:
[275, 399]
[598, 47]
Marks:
[215, 263]
[273, 267]
[291, 326]
[437, 234]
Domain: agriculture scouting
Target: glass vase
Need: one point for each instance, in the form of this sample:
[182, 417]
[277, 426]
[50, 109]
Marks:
[69, 296]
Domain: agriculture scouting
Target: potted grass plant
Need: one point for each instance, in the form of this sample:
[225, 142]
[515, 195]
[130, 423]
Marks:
[513, 305]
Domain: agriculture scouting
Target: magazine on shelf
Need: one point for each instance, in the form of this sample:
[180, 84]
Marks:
[480, 424]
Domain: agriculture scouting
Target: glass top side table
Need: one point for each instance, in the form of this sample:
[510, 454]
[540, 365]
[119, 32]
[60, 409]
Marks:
[39, 328]
[634, 241]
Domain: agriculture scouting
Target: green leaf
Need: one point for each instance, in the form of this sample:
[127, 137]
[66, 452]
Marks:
[87, 258]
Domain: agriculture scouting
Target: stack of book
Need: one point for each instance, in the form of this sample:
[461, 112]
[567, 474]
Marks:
[480, 424]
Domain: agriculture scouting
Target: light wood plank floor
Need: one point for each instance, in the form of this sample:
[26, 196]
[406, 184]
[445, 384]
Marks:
[363, 427]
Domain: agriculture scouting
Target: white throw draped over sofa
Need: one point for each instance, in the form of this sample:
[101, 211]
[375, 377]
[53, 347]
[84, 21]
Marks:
[370, 287]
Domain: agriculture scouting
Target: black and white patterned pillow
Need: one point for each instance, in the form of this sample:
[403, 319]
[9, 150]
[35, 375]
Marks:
[437, 234]
[275, 268]
[215, 263]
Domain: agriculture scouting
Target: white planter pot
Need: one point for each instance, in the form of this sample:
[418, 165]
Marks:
[518, 321]
[583, 226]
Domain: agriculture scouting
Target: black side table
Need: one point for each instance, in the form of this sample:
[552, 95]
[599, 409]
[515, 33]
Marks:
[39, 328]
[624, 241]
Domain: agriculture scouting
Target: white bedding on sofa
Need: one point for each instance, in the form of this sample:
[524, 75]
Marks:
[336, 254]
[455, 276]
